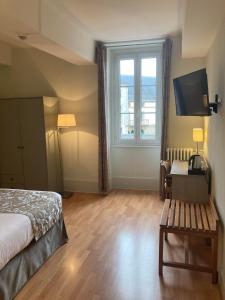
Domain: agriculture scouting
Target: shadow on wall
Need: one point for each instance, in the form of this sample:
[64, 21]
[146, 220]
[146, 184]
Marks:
[85, 110]
[35, 73]
[80, 144]
[24, 78]
[69, 81]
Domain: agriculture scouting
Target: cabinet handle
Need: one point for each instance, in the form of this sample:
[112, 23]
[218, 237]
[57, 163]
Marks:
[20, 147]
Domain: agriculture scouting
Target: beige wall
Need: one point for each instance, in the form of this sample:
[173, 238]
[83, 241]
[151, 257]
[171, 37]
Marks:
[129, 167]
[215, 127]
[35, 73]
[5, 54]
[180, 128]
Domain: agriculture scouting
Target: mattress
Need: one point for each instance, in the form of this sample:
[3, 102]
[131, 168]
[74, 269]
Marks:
[15, 234]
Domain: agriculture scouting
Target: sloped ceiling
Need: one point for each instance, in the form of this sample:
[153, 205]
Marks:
[116, 20]
[201, 22]
[68, 28]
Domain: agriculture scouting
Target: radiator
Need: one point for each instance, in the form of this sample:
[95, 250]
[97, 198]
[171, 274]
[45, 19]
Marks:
[178, 153]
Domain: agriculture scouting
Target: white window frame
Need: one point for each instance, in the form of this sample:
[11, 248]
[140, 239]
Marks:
[136, 53]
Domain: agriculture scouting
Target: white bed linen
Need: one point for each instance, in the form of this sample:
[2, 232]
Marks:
[15, 234]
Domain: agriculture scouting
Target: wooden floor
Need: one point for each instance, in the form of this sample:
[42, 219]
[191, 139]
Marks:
[112, 254]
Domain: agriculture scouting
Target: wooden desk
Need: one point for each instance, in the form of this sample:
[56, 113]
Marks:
[185, 187]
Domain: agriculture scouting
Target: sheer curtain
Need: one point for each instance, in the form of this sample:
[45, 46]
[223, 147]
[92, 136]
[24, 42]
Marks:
[167, 49]
[103, 162]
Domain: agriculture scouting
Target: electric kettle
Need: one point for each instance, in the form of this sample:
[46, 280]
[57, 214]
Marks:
[195, 162]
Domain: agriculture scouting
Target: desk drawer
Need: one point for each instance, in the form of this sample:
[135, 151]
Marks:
[192, 188]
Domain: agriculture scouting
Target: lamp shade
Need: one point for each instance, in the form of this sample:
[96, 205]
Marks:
[66, 120]
[197, 134]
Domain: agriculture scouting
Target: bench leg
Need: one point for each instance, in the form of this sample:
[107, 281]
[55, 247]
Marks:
[161, 251]
[214, 259]
[166, 236]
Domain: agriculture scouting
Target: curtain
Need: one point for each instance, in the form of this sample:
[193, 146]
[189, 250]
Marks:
[166, 64]
[103, 167]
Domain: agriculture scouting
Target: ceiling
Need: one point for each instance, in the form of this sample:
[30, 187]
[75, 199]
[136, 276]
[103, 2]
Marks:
[126, 19]
[203, 19]
[13, 42]
[68, 28]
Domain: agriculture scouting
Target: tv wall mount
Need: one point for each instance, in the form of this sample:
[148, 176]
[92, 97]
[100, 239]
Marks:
[213, 106]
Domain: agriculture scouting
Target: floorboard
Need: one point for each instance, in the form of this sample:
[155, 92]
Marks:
[112, 254]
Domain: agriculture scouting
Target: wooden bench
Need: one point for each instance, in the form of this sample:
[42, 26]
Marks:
[189, 219]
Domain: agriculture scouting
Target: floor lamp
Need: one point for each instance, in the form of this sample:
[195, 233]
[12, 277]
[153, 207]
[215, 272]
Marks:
[64, 121]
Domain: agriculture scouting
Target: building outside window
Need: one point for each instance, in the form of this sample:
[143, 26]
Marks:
[136, 95]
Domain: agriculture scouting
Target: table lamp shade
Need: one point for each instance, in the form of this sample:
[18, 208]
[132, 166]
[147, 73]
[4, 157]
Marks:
[66, 120]
[197, 134]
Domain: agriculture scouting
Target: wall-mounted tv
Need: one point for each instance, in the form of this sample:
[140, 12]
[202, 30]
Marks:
[191, 94]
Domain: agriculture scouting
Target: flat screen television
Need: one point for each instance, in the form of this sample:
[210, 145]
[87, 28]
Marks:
[191, 94]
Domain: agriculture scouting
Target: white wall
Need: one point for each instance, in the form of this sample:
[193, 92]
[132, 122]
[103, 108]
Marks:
[180, 128]
[135, 168]
[35, 73]
[215, 142]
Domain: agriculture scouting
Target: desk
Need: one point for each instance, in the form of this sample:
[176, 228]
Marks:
[185, 187]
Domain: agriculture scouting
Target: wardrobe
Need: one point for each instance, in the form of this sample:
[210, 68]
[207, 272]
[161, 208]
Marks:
[29, 152]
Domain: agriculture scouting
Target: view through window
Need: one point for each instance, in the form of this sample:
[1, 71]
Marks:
[137, 84]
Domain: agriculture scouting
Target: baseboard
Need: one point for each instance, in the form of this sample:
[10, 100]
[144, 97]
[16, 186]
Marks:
[91, 186]
[139, 183]
[222, 285]
[78, 185]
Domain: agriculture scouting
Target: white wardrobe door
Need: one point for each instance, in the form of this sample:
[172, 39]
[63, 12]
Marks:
[11, 168]
[33, 139]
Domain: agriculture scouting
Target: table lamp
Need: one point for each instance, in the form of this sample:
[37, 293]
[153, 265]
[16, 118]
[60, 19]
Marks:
[197, 136]
[64, 121]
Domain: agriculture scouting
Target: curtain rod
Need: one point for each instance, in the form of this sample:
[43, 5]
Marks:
[134, 43]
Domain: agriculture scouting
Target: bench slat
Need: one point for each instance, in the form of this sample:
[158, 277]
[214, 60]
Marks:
[204, 217]
[187, 218]
[198, 216]
[164, 217]
[177, 214]
[214, 210]
[172, 214]
[193, 217]
[182, 215]
[211, 220]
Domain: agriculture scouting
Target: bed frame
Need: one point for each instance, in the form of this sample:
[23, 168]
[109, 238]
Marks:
[23, 266]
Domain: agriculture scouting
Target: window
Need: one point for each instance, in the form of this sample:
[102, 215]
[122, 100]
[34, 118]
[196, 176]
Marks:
[136, 95]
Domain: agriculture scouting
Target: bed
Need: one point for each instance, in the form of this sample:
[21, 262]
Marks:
[31, 229]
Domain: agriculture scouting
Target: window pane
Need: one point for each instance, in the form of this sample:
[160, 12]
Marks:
[127, 126]
[148, 98]
[148, 71]
[126, 99]
[148, 93]
[127, 72]
[148, 128]
[148, 107]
